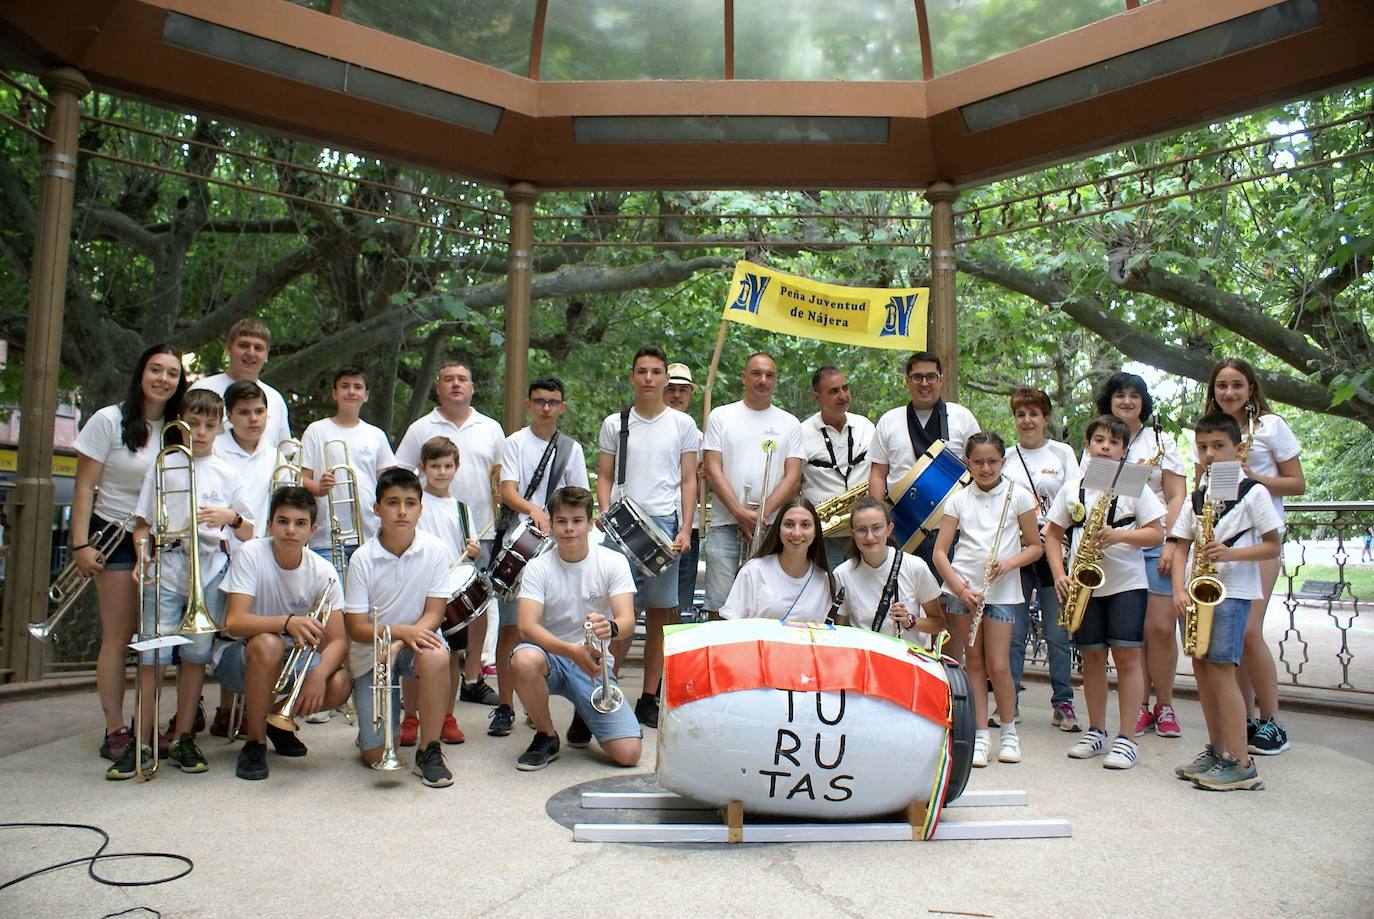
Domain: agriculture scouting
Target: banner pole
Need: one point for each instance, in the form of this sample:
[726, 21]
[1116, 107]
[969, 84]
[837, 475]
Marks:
[705, 416]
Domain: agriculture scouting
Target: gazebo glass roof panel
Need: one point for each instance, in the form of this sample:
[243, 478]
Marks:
[967, 32]
[633, 40]
[827, 40]
[493, 32]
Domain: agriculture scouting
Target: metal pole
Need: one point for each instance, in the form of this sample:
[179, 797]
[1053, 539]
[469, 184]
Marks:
[944, 338]
[521, 196]
[30, 536]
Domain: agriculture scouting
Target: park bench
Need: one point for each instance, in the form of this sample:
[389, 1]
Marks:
[1323, 591]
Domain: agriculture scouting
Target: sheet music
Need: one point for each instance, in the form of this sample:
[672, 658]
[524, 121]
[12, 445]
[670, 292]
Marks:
[1223, 481]
[164, 641]
[1130, 479]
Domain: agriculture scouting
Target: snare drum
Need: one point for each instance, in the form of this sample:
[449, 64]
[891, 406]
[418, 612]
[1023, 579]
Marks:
[918, 498]
[636, 534]
[469, 598]
[507, 564]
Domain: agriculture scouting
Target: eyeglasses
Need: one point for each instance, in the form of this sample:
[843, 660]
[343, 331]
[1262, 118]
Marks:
[923, 377]
[868, 531]
[546, 403]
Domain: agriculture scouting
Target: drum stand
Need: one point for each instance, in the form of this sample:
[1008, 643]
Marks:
[733, 829]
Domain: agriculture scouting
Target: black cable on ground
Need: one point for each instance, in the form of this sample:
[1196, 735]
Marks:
[90, 860]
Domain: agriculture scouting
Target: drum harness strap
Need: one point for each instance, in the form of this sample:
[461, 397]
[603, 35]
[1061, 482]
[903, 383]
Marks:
[560, 458]
[622, 451]
[921, 435]
[834, 461]
[889, 591]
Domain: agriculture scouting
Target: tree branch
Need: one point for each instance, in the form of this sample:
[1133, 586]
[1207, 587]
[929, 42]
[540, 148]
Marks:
[107, 224]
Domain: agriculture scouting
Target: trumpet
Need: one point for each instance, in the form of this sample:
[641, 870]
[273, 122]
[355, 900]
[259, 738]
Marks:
[297, 667]
[1205, 590]
[383, 663]
[976, 616]
[339, 535]
[197, 619]
[606, 697]
[70, 583]
[287, 470]
[834, 512]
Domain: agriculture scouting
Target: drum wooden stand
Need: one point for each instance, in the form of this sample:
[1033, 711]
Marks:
[733, 829]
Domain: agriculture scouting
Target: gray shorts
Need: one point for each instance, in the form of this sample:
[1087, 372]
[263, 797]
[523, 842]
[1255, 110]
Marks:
[568, 680]
[659, 592]
[722, 551]
[370, 735]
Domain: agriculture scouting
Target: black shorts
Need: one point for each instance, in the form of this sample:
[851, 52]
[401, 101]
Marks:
[122, 557]
[1117, 620]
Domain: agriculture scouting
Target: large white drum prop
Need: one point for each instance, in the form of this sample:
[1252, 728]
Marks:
[811, 720]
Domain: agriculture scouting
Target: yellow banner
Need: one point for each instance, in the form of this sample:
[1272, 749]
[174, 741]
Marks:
[61, 465]
[871, 317]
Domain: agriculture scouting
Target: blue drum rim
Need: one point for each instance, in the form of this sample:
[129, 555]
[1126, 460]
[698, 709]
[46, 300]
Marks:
[924, 462]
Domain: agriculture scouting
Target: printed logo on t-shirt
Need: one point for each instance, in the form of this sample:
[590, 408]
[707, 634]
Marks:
[213, 498]
[298, 604]
[596, 600]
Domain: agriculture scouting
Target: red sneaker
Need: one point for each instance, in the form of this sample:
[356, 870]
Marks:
[410, 732]
[1166, 722]
[451, 733]
[1144, 721]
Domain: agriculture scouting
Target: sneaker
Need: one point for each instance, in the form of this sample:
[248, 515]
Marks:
[252, 763]
[579, 735]
[187, 755]
[429, 766]
[646, 710]
[1270, 738]
[1166, 722]
[410, 731]
[541, 751]
[1251, 726]
[1122, 755]
[502, 721]
[995, 722]
[286, 743]
[980, 749]
[1011, 748]
[488, 670]
[123, 768]
[220, 726]
[319, 717]
[480, 692]
[1205, 760]
[451, 733]
[1144, 721]
[1227, 774]
[1093, 743]
[1065, 718]
[112, 747]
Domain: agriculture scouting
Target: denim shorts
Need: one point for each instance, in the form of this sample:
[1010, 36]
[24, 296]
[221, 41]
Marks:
[369, 737]
[170, 612]
[658, 592]
[327, 553]
[1161, 585]
[723, 562]
[1117, 620]
[122, 556]
[566, 679]
[1228, 631]
[997, 612]
[231, 670]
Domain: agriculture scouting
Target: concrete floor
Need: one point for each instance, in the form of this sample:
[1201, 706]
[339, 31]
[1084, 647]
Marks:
[326, 837]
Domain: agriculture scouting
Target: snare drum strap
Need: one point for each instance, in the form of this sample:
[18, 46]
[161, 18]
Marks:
[621, 451]
[923, 435]
[889, 591]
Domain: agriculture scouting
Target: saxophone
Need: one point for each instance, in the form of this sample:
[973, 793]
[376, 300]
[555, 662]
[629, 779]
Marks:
[834, 512]
[1244, 452]
[1086, 570]
[1205, 590]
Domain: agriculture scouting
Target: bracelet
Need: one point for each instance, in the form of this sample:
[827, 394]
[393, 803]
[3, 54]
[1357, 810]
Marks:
[84, 545]
[238, 522]
[615, 628]
[285, 626]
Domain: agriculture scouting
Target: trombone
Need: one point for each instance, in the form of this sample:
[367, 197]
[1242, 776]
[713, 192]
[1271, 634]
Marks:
[197, 619]
[383, 662]
[339, 535]
[751, 548]
[70, 583]
[297, 666]
[143, 770]
[287, 470]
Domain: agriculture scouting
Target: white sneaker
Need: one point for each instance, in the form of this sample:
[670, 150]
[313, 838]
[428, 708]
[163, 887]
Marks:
[1122, 755]
[980, 749]
[1011, 748]
[1093, 743]
[319, 717]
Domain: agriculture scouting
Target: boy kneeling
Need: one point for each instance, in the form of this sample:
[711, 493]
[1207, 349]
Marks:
[273, 586]
[559, 592]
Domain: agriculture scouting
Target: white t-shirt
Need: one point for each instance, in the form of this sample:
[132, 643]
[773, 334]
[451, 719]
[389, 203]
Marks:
[439, 517]
[1050, 464]
[1123, 565]
[396, 585]
[863, 585]
[978, 513]
[255, 469]
[892, 441]
[278, 591]
[217, 485]
[845, 455]
[653, 468]
[124, 469]
[520, 458]
[763, 590]
[571, 591]
[1274, 443]
[737, 433]
[1252, 518]
[480, 441]
[278, 426]
[369, 452]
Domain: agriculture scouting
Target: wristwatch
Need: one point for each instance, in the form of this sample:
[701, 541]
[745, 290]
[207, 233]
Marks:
[615, 628]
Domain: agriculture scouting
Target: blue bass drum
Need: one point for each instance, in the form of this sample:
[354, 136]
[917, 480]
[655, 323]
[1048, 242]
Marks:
[918, 499]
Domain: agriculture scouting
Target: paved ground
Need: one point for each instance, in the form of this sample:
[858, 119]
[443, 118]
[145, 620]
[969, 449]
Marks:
[325, 837]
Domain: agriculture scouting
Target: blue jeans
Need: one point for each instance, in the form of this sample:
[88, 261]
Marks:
[1056, 638]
